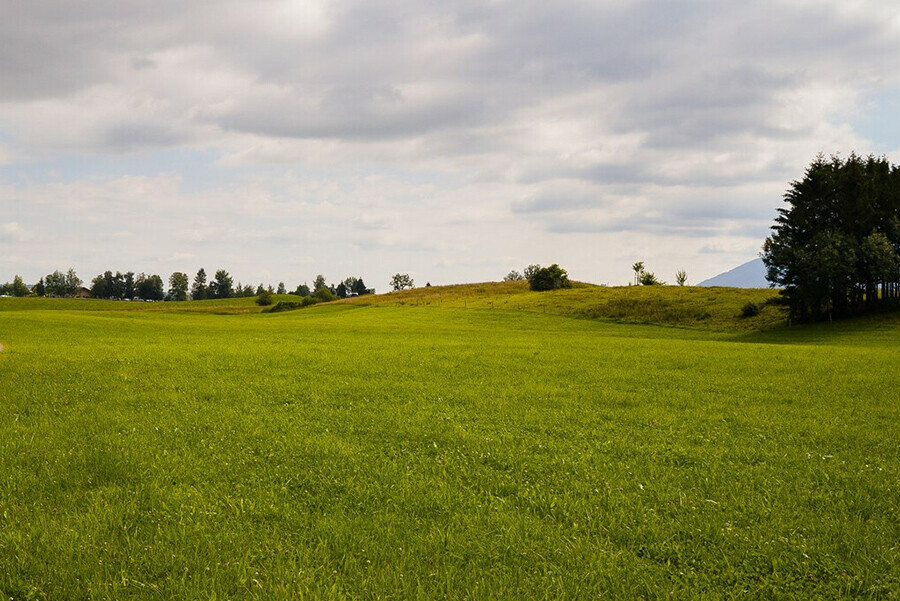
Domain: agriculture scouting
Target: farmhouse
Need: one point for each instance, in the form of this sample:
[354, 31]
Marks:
[82, 292]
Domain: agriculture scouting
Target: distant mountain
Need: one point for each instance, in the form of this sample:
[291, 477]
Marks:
[749, 275]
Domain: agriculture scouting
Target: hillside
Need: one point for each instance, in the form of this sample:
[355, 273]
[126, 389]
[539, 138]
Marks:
[718, 308]
[689, 306]
[424, 445]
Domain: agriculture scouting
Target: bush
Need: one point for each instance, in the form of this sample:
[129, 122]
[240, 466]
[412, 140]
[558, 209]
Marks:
[287, 306]
[750, 310]
[648, 278]
[264, 299]
[548, 278]
[322, 295]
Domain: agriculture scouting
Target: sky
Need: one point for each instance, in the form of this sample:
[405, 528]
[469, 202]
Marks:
[447, 139]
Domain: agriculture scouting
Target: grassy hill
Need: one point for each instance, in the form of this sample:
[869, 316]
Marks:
[713, 308]
[426, 445]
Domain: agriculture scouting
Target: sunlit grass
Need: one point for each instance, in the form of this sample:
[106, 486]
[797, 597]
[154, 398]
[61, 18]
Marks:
[440, 451]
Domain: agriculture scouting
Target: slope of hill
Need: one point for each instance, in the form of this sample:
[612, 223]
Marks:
[416, 449]
[691, 306]
[688, 306]
[751, 274]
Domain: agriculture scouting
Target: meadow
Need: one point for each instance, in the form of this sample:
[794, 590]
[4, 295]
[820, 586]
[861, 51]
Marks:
[478, 442]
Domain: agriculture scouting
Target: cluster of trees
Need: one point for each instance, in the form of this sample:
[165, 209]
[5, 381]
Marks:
[54, 284]
[15, 288]
[121, 286]
[58, 284]
[541, 278]
[835, 249]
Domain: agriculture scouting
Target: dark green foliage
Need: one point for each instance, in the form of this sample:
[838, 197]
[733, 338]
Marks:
[306, 301]
[150, 287]
[359, 288]
[302, 290]
[264, 299]
[281, 288]
[118, 286]
[16, 288]
[401, 281]
[39, 288]
[750, 310]
[548, 278]
[221, 286]
[128, 285]
[62, 284]
[199, 290]
[287, 306]
[178, 286]
[341, 290]
[319, 282]
[529, 271]
[648, 278]
[836, 248]
[323, 294]
[513, 276]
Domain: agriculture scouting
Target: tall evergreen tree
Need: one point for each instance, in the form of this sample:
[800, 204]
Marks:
[836, 248]
[198, 289]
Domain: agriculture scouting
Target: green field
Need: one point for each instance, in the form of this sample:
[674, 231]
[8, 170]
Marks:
[478, 442]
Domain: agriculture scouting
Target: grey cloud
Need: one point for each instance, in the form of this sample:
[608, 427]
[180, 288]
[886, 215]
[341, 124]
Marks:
[668, 117]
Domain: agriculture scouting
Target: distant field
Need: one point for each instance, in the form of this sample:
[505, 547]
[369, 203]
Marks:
[481, 442]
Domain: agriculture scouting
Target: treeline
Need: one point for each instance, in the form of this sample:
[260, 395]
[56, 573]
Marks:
[128, 286]
[835, 250]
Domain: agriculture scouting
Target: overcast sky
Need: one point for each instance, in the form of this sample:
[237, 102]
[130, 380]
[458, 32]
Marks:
[451, 140]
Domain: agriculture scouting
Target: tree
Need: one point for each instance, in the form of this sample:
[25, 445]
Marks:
[513, 276]
[62, 284]
[18, 286]
[56, 284]
[879, 263]
[264, 299]
[359, 287]
[199, 290]
[401, 281]
[529, 271]
[281, 288]
[102, 285]
[549, 278]
[178, 286]
[150, 287]
[648, 278]
[128, 286]
[319, 282]
[323, 294]
[638, 270]
[302, 290]
[341, 290]
[221, 286]
[39, 288]
[681, 277]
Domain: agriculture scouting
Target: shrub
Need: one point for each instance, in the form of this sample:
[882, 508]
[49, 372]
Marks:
[750, 310]
[264, 299]
[648, 278]
[548, 278]
[323, 295]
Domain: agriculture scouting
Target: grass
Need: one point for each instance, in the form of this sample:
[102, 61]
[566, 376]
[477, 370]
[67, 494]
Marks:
[443, 449]
[689, 306]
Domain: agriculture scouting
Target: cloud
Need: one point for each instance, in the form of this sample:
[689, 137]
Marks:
[479, 129]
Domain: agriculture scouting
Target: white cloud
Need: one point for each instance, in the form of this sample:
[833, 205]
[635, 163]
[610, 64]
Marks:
[463, 139]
